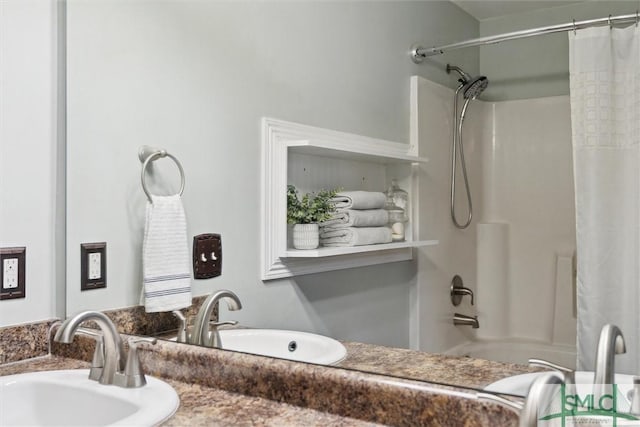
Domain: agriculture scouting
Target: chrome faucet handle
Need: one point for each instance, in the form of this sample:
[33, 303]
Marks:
[516, 406]
[546, 364]
[97, 363]
[133, 376]
[569, 374]
[183, 335]
[458, 291]
[214, 336]
[225, 323]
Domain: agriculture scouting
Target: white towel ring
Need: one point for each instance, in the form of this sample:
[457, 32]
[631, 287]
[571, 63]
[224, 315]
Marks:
[149, 154]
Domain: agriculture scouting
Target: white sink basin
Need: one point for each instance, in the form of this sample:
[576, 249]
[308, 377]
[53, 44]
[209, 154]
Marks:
[69, 398]
[519, 384]
[292, 345]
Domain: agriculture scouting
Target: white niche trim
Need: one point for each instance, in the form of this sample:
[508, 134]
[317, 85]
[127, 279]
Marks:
[376, 161]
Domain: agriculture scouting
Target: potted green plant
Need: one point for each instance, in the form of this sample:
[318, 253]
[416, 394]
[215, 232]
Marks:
[305, 213]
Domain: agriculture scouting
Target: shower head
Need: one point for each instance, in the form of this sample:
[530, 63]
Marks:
[473, 88]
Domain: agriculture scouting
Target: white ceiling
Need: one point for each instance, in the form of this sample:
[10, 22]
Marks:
[481, 9]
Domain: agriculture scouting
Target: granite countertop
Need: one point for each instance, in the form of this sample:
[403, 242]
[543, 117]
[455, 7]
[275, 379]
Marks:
[430, 367]
[219, 387]
[205, 406]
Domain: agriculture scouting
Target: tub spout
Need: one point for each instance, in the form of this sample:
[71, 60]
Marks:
[461, 319]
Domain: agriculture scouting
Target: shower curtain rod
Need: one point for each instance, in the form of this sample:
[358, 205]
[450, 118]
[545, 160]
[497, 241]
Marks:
[419, 53]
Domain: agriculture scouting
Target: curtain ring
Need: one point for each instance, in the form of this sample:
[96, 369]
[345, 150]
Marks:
[574, 27]
[610, 24]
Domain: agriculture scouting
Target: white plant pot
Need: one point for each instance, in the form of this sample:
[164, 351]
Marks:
[306, 236]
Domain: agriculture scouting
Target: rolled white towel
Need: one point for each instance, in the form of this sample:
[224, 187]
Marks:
[359, 200]
[354, 236]
[357, 218]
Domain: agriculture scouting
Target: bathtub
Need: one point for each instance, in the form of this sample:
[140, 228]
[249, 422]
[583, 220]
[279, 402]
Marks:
[516, 351]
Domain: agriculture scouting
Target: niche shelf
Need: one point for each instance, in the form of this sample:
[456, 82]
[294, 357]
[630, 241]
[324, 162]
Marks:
[313, 158]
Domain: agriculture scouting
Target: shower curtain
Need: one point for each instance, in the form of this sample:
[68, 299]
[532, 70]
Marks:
[605, 120]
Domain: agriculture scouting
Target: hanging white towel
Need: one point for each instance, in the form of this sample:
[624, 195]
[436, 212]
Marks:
[359, 200]
[165, 256]
[357, 218]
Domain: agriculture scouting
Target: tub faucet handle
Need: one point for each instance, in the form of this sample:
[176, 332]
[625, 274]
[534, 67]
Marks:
[458, 291]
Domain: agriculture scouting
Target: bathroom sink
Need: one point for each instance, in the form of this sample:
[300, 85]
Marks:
[292, 345]
[519, 384]
[69, 398]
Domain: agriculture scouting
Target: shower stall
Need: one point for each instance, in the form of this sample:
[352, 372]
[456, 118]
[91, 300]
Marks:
[529, 285]
[518, 252]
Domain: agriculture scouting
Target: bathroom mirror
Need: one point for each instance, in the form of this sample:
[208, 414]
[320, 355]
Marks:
[196, 78]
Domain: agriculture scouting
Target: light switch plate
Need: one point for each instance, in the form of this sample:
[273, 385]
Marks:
[93, 266]
[12, 273]
[207, 256]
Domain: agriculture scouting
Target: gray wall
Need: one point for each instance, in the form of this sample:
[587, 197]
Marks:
[538, 66]
[195, 78]
[29, 173]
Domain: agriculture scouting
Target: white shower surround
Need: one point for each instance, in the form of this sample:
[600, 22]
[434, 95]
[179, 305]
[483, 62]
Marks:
[520, 168]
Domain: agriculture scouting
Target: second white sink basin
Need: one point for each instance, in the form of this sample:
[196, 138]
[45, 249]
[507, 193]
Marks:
[283, 344]
[69, 398]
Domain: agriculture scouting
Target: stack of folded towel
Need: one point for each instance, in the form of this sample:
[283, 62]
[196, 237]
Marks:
[359, 220]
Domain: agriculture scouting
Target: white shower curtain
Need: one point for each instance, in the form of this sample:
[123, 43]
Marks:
[605, 120]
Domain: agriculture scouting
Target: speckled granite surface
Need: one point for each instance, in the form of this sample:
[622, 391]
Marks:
[398, 362]
[430, 367]
[135, 321]
[24, 341]
[228, 388]
[363, 396]
[204, 406]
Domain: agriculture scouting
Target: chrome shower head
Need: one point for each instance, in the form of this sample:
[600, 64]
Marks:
[473, 88]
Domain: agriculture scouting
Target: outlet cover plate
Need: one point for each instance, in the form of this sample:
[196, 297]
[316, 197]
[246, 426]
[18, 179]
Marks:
[93, 276]
[18, 291]
[207, 256]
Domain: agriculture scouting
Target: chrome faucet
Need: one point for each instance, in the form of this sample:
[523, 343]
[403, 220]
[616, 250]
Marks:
[539, 394]
[202, 333]
[611, 342]
[109, 350]
[114, 357]
[461, 319]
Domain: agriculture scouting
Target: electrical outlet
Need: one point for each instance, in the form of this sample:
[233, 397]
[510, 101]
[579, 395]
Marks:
[207, 256]
[12, 273]
[93, 266]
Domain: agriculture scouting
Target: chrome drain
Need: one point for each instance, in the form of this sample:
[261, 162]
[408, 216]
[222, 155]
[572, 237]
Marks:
[293, 346]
